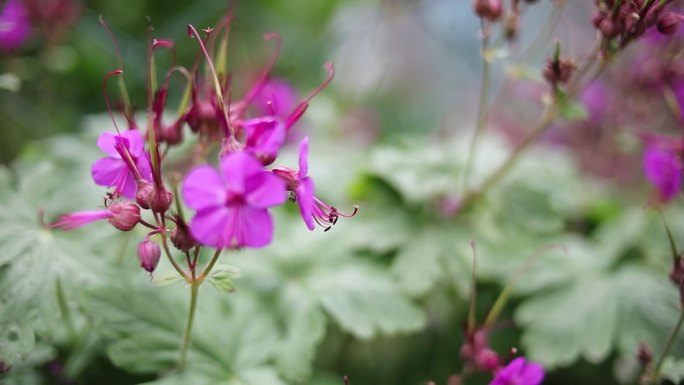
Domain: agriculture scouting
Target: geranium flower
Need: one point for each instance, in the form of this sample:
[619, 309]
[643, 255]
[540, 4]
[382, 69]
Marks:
[313, 210]
[263, 137]
[232, 207]
[663, 170]
[116, 170]
[519, 372]
[276, 97]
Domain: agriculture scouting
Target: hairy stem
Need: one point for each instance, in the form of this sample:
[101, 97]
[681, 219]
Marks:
[187, 335]
[167, 251]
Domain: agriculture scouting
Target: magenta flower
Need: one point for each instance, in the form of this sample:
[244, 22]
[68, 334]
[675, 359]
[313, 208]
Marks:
[232, 207]
[124, 216]
[276, 98]
[313, 210]
[519, 372]
[663, 170]
[264, 137]
[117, 170]
[15, 27]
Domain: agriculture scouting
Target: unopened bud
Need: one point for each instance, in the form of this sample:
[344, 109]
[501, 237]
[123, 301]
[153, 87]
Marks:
[149, 253]
[181, 238]
[488, 9]
[487, 359]
[645, 355]
[161, 199]
[144, 194]
[126, 215]
[558, 71]
[608, 28]
[668, 23]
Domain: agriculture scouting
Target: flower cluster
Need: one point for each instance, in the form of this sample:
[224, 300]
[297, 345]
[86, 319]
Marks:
[232, 203]
[625, 21]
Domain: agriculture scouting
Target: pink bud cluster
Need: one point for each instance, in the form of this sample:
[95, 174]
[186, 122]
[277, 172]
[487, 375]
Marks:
[625, 21]
[232, 203]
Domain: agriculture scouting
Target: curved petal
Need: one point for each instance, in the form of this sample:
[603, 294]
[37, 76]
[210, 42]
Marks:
[210, 225]
[108, 171]
[303, 158]
[106, 143]
[305, 200]
[203, 188]
[265, 190]
[81, 218]
[236, 168]
[136, 143]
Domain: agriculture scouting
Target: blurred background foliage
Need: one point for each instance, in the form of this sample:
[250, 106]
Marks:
[381, 297]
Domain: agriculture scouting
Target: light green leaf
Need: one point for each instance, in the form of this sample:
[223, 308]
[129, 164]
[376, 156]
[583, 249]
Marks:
[221, 277]
[572, 110]
[166, 278]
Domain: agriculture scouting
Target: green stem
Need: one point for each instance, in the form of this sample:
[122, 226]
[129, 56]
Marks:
[549, 117]
[668, 346]
[482, 104]
[210, 266]
[175, 264]
[187, 336]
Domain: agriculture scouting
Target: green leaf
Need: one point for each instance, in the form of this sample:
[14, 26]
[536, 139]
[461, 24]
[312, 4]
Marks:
[572, 110]
[221, 277]
[145, 323]
[673, 370]
[166, 278]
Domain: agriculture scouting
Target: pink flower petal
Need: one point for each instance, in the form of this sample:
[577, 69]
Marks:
[256, 227]
[106, 143]
[109, 172]
[78, 219]
[237, 168]
[136, 143]
[203, 188]
[265, 190]
[210, 226]
[305, 200]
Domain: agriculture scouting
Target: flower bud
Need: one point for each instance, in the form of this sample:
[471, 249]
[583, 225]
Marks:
[645, 355]
[144, 194]
[608, 28]
[487, 359]
[488, 9]
[126, 215]
[181, 238]
[148, 254]
[558, 71]
[161, 199]
[668, 23]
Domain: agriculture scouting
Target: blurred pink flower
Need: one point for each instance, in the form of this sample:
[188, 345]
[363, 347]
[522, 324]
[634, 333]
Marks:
[519, 372]
[663, 170]
[15, 26]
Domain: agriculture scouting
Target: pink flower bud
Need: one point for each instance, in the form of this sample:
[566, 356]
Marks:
[181, 238]
[125, 215]
[668, 23]
[161, 200]
[148, 254]
[144, 194]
